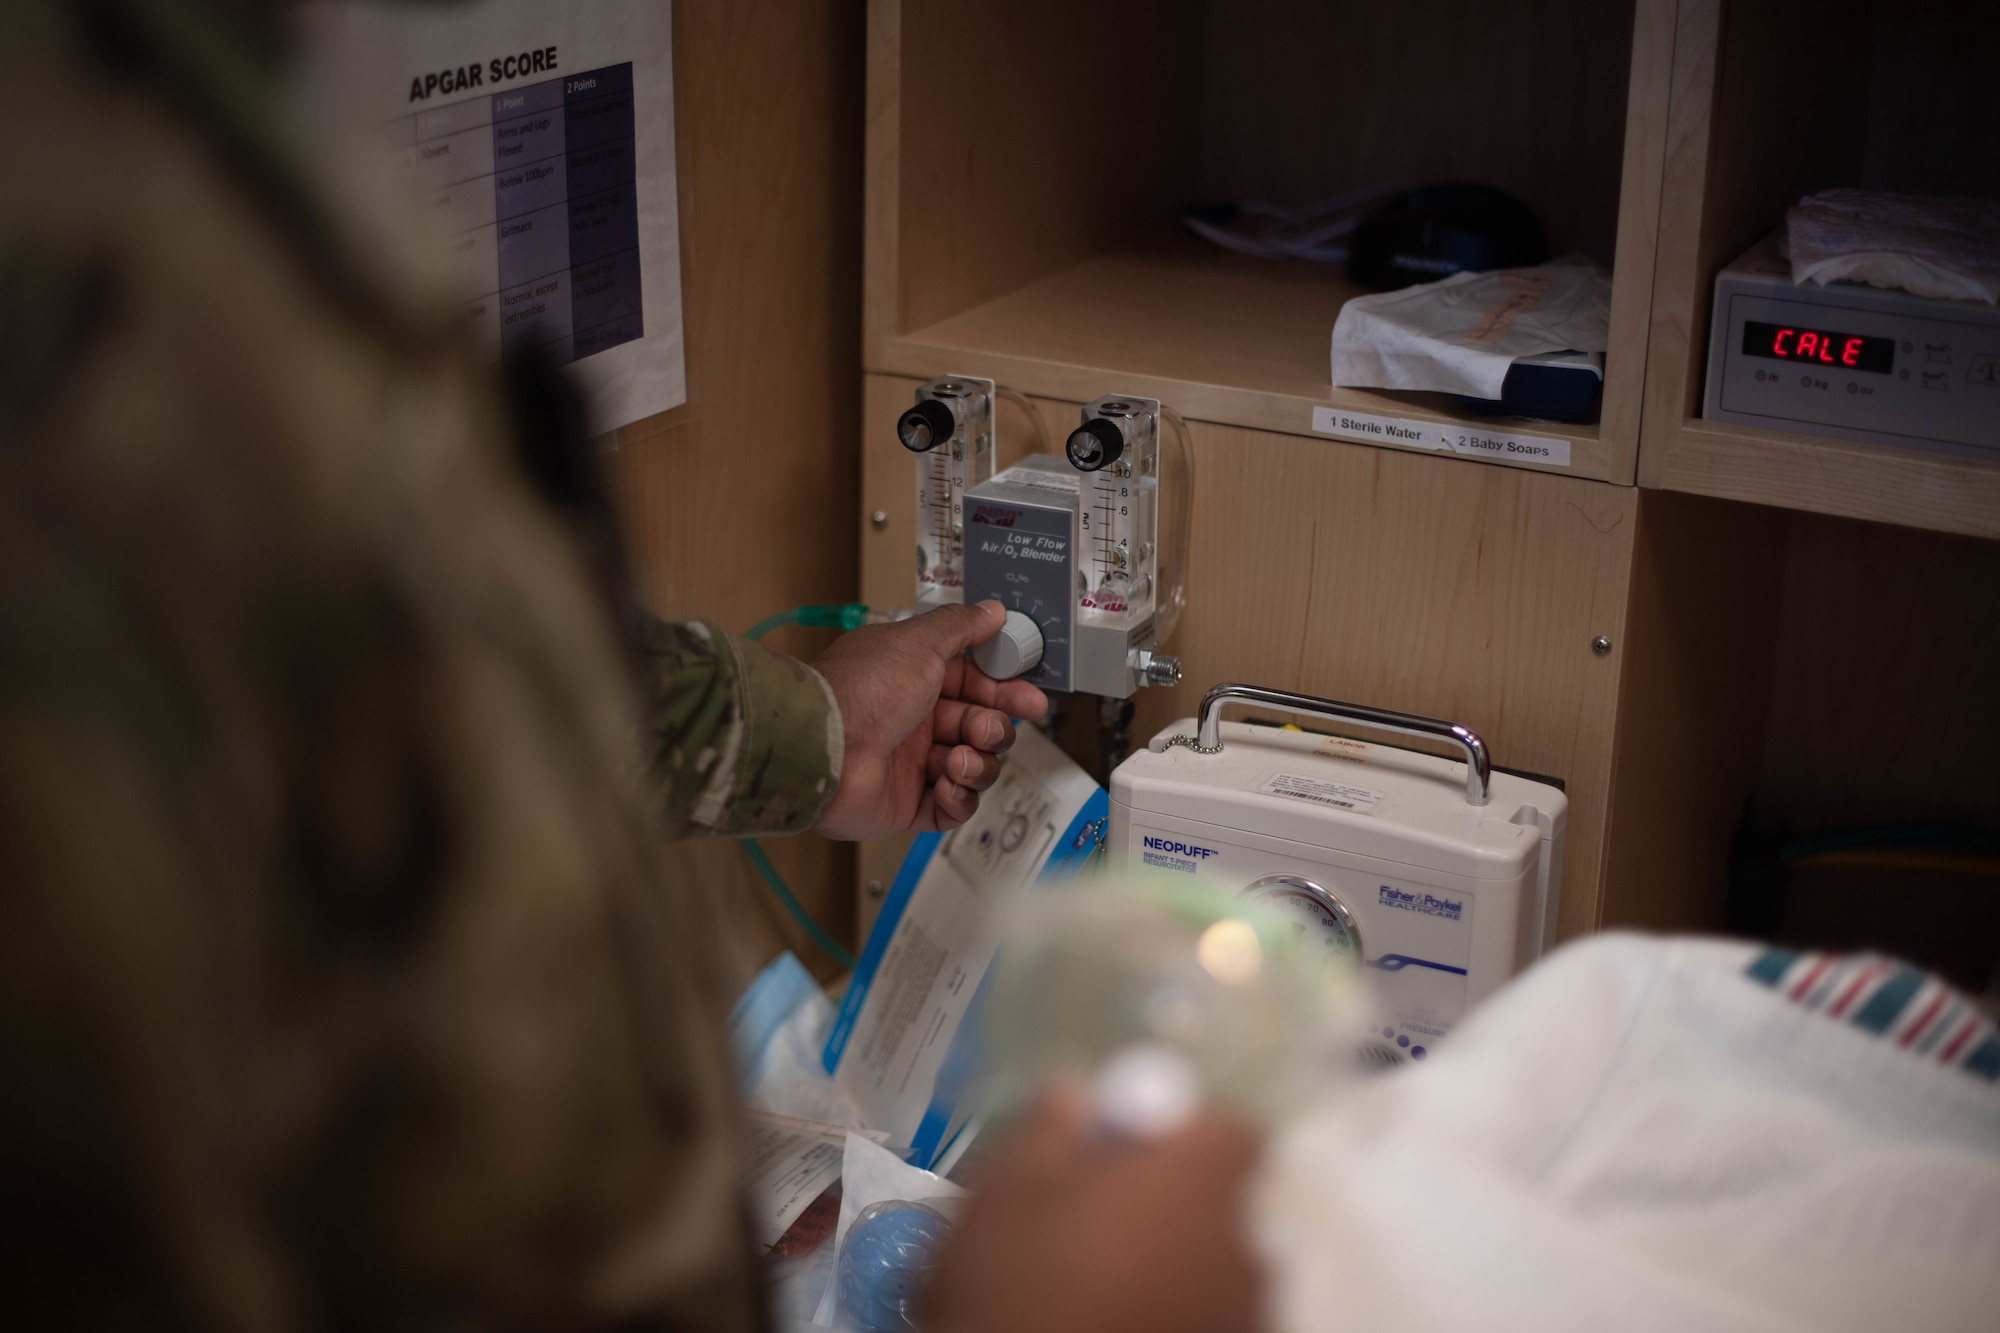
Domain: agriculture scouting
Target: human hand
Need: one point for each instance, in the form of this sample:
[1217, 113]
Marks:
[923, 725]
[1069, 1234]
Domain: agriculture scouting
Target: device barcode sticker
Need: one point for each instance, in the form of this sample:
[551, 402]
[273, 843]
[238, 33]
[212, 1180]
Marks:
[1337, 794]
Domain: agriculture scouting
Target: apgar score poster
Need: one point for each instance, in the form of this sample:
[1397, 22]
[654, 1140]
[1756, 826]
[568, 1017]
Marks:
[540, 137]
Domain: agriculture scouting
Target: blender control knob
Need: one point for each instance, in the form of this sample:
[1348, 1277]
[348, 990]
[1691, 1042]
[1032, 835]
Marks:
[1015, 650]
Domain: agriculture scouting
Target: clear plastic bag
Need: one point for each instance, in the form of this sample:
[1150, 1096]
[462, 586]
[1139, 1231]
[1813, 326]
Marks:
[893, 1257]
[1944, 248]
[887, 1257]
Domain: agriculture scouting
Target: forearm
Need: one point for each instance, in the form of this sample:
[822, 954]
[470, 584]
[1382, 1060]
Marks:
[742, 739]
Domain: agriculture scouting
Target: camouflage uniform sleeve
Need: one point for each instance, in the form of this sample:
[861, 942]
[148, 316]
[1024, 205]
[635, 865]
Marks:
[743, 740]
[346, 981]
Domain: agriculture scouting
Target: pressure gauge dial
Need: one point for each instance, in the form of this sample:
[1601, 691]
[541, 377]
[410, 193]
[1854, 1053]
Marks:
[1317, 917]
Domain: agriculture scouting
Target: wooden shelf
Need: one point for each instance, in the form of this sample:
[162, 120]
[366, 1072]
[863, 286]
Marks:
[1740, 68]
[1220, 337]
[1759, 594]
[1845, 478]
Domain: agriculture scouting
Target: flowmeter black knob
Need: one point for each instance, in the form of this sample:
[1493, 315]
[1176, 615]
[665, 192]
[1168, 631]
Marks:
[1095, 444]
[925, 426]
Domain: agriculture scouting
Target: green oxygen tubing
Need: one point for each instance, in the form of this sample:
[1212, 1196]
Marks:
[829, 615]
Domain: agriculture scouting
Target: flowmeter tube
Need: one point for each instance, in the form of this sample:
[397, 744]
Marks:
[1117, 451]
[1138, 520]
[950, 430]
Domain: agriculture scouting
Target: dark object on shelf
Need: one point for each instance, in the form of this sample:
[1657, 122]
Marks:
[1555, 386]
[1114, 734]
[1757, 880]
[1438, 230]
[1923, 892]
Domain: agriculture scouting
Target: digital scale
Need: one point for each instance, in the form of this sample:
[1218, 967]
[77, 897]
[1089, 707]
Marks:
[1440, 879]
[1851, 361]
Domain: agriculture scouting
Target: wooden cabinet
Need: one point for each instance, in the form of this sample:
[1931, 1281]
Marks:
[1426, 584]
[1865, 646]
[1773, 99]
[1025, 166]
[1026, 163]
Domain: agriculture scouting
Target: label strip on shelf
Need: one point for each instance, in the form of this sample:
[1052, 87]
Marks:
[1472, 441]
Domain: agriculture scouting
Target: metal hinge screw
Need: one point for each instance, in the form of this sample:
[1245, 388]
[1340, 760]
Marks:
[1601, 646]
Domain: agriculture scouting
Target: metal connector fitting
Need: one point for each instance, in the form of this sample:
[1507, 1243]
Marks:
[1155, 668]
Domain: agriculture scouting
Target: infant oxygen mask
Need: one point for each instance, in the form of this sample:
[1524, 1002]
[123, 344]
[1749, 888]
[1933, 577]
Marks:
[1164, 997]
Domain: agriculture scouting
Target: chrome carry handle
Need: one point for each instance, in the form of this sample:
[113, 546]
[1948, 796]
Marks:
[1478, 764]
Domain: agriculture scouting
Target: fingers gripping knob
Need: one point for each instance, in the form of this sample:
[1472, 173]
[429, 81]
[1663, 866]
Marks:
[1015, 650]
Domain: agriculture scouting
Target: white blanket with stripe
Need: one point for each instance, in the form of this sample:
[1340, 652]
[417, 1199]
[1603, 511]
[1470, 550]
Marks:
[1650, 1133]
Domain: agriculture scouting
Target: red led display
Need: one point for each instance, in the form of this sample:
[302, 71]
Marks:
[1849, 351]
[1806, 345]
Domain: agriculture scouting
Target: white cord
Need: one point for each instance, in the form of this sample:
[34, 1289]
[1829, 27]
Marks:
[1020, 400]
[1171, 599]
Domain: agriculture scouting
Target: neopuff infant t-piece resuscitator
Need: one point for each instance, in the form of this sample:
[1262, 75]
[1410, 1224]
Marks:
[1439, 878]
